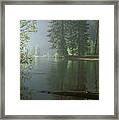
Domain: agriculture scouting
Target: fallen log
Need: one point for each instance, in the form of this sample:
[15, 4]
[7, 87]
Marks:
[86, 57]
[79, 94]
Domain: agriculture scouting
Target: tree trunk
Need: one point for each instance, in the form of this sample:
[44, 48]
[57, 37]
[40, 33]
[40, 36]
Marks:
[97, 40]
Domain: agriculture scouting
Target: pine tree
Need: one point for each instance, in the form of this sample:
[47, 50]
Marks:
[69, 36]
[56, 33]
[82, 28]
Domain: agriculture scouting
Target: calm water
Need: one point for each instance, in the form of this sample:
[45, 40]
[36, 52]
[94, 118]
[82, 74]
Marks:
[46, 76]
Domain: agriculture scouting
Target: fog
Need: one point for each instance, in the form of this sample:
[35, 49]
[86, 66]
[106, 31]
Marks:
[39, 39]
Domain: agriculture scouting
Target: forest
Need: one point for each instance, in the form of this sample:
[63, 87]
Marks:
[73, 38]
[70, 38]
[59, 59]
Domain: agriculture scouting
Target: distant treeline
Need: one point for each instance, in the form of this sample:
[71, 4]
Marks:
[74, 37]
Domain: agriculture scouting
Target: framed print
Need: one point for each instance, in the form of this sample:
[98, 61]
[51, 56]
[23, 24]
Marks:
[59, 60]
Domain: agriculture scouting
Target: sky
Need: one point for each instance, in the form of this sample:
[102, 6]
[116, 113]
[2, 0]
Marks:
[39, 38]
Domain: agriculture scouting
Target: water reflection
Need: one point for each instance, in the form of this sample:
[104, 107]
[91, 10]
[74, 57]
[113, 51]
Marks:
[51, 79]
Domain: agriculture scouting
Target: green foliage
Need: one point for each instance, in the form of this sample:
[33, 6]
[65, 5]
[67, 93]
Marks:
[26, 26]
[24, 39]
[90, 47]
[71, 37]
[57, 37]
[83, 35]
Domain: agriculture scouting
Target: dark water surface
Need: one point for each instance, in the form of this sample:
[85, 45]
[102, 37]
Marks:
[47, 76]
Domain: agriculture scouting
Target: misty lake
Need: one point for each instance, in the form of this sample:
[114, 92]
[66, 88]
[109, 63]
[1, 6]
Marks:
[47, 78]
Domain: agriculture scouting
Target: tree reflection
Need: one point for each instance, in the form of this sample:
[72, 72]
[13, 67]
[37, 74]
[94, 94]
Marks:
[25, 83]
[74, 76]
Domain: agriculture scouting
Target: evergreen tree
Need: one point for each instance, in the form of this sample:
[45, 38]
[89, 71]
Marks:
[97, 38]
[73, 37]
[82, 28]
[56, 33]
